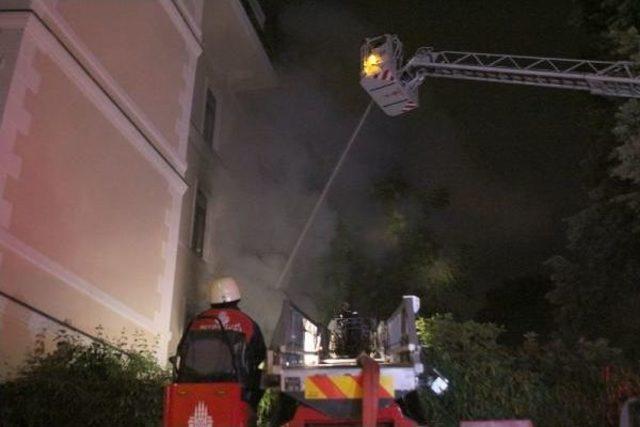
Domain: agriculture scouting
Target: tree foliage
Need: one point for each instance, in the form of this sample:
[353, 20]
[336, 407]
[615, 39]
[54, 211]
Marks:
[403, 258]
[85, 384]
[553, 384]
[596, 281]
[614, 24]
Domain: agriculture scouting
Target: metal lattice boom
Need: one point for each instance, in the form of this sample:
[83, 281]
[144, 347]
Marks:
[619, 78]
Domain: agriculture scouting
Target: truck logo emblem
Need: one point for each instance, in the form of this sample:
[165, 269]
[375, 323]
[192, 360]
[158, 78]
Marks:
[200, 417]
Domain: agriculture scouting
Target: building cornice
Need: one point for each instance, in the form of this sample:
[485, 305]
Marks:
[180, 22]
[260, 49]
[191, 20]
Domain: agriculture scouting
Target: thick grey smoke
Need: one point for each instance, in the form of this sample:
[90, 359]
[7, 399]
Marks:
[272, 172]
[264, 198]
[510, 165]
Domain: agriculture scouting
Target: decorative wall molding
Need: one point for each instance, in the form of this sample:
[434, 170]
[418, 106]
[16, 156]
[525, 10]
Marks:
[42, 262]
[186, 103]
[15, 118]
[181, 25]
[188, 72]
[194, 22]
[49, 46]
[48, 13]
[191, 33]
[166, 282]
[37, 38]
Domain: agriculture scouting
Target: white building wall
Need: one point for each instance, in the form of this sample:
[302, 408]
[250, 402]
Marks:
[90, 201]
[142, 53]
[101, 154]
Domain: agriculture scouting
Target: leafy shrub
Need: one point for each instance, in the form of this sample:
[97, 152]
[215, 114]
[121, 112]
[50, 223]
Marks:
[485, 380]
[266, 407]
[585, 382]
[553, 384]
[88, 384]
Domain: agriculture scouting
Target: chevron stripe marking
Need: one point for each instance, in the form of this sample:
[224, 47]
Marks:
[328, 387]
[386, 388]
[350, 386]
[312, 391]
[343, 387]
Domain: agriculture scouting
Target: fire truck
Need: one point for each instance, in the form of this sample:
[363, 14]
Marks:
[352, 372]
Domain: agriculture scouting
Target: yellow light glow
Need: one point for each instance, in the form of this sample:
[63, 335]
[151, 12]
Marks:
[371, 65]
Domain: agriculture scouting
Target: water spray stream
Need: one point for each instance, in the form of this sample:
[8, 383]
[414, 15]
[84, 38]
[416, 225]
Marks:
[323, 195]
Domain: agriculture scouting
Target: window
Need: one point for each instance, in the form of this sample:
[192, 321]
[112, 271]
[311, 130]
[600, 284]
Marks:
[209, 118]
[199, 223]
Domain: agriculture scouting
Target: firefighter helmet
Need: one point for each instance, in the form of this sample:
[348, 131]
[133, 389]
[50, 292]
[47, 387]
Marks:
[224, 289]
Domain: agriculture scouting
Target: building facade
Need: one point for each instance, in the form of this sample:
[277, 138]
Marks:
[110, 117]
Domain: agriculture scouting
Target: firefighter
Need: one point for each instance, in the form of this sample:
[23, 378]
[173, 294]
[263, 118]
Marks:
[223, 344]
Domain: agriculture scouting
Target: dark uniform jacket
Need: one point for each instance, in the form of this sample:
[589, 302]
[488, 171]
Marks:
[223, 344]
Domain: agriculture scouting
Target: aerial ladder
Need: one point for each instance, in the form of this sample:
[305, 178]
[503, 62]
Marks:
[393, 83]
[352, 372]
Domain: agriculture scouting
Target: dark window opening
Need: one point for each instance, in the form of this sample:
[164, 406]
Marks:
[199, 223]
[209, 118]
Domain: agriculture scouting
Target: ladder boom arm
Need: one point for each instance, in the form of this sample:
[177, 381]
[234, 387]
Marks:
[598, 77]
[393, 84]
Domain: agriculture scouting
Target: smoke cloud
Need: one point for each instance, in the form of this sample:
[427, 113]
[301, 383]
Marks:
[273, 169]
[511, 179]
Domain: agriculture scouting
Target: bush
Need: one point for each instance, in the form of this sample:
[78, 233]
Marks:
[485, 380]
[586, 382]
[266, 407]
[88, 384]
[553, 384]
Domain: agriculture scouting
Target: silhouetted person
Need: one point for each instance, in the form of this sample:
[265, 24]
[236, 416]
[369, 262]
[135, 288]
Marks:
[223, 344]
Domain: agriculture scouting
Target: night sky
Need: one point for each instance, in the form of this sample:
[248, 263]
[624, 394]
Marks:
[510, 155]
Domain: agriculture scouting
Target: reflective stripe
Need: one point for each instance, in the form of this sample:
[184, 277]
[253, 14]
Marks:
[232, 319]
[394, 103]
[312, 391]
[343, 387]
[328, 387]
[350, 386]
